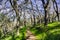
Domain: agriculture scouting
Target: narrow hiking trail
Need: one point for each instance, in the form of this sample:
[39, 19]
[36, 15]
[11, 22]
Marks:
[30, 36]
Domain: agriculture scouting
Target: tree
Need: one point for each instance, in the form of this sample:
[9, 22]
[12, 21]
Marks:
[39, 17]
[56, 10]
[45, 5]
[15, 7]
[33, 14]
[24, 15]
[26, 1]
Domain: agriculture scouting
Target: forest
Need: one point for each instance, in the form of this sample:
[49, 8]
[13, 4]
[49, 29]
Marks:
[29, 19]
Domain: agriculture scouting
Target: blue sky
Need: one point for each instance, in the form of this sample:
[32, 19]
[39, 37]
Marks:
[39, 3]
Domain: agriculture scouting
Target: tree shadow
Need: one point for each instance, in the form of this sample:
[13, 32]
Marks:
[52, 37]
[37, 30]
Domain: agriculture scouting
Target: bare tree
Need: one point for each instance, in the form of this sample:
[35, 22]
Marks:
[45, 5]
[15, 7]
[56, 10]
[39, 17]
[33, 14]
[24, 18]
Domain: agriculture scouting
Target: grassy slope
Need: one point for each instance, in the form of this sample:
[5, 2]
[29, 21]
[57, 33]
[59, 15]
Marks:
[52, 33]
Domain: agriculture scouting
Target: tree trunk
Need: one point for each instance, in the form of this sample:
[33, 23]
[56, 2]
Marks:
[45, 5]
[15, 7]
[56, 10]
[33, 14]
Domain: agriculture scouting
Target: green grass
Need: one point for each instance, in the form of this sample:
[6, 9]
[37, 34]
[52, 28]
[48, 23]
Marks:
[21, 36]
[51, 32]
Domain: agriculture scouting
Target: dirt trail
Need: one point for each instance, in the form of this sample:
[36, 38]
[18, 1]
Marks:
[30, 36]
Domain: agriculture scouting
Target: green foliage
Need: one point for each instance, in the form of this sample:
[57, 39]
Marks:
[52, 33]
[14, 36]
